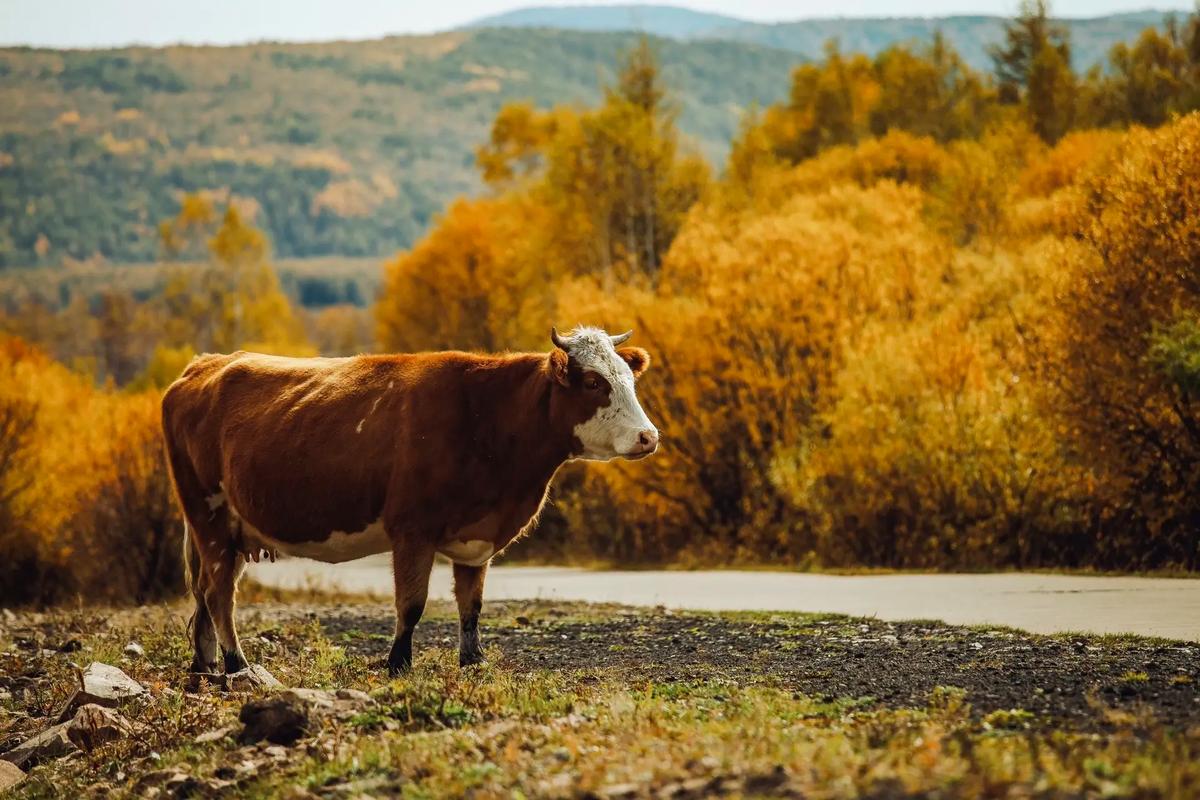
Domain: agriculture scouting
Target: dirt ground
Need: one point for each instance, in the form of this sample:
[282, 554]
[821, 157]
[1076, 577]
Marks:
[1072, 680]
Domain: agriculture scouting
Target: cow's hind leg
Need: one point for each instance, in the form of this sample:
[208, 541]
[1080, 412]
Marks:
[411, 564]
[204, 637]
[224, 570]
[468, 591]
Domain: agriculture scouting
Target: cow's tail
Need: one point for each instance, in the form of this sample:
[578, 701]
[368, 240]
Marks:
[191, 569]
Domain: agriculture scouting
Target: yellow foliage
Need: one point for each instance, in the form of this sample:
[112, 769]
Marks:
[1123, 358]
[1067, 161]
[92, 485]
[470, 284]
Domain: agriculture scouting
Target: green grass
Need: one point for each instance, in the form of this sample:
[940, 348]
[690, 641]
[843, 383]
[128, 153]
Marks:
[495, 731]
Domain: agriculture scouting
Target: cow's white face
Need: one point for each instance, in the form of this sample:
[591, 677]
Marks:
[618, 428]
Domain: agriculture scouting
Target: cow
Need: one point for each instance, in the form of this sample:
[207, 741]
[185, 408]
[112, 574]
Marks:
[414, 454]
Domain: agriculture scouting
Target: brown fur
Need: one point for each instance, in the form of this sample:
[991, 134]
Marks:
[435, 445]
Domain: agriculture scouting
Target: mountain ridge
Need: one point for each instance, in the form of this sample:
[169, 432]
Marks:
[971, 34]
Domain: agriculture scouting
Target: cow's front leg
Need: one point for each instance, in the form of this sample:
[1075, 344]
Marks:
[412, 561]
[468, 591]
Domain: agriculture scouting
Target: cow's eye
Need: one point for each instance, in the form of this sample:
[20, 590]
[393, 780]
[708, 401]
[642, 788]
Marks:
[591, 384]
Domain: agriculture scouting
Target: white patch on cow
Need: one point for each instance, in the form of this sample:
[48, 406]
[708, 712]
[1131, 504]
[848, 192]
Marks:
[391, 384]
[339, 546]
[360, 424]
[614, 429]
[472, 553]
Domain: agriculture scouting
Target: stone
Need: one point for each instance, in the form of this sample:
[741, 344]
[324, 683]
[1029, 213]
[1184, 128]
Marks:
[280, 719]
[134, 650]
[48, 745]
[95, 725]
[294, 713]
[215, 735]
[252, 677]
[103, 685]
[355, 695]
[10, 776]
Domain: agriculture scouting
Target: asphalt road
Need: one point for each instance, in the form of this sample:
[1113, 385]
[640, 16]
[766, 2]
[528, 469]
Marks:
[1166, 607]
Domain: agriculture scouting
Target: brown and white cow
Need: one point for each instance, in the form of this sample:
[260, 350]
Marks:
[339, 458]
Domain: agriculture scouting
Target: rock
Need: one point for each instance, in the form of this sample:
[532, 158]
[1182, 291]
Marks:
[103, 685]
[252, 677]
[281, 719]
[289, 715]
[134, 650]
[48, 745]
[70, 646]
[95, 725]
[522, 620]
[215, 735]
[355, 695]
[10, 776]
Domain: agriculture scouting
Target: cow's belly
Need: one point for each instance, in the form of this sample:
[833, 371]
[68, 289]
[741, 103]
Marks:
[471, 553]
[339, 546]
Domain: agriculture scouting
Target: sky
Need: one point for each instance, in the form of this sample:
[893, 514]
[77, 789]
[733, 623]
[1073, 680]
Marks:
[104, 23]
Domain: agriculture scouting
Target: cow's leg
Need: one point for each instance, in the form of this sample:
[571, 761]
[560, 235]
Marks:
[412, 561]
[204, 637]
[468, 591]
[224, 570]
[207, 538]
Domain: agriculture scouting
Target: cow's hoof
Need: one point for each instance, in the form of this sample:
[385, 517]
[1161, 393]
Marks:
[235, 662]
[203, 667]
[399, 670]
[470, 659]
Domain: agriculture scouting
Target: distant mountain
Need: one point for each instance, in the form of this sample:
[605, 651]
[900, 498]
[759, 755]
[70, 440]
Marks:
[1091, 39]
[669, 21]
[346, 148]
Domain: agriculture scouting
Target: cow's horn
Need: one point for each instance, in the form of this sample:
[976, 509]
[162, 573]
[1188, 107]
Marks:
[621, 339]
[558, 339]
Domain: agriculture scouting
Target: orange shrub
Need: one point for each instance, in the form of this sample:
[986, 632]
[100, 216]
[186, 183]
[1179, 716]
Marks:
[93, 514]
[1118, 353]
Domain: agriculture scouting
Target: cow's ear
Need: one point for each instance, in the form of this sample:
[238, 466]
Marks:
[558, 366]
[637, 359]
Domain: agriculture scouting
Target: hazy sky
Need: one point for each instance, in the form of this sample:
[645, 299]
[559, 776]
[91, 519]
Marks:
[96, 23]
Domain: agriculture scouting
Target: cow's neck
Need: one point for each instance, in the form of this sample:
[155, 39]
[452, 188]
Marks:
[524, 443]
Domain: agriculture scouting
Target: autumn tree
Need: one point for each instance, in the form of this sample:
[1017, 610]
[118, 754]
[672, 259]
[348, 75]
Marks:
[1123, 355]
[235, 301]
[474, 282]
[1148, 81]
[1033, 67]
[929, 91]
[596, 192]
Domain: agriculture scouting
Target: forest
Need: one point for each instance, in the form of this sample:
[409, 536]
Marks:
[924, 317]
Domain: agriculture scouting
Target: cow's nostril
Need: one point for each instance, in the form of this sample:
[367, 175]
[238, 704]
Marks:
[648, 439]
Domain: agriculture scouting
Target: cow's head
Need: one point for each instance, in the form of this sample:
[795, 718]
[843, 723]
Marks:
[596, 394]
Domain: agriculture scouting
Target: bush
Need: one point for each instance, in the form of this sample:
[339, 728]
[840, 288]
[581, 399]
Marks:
[87, 502]
[1121, 355]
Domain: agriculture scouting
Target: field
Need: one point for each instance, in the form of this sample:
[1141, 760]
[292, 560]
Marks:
[606, 701]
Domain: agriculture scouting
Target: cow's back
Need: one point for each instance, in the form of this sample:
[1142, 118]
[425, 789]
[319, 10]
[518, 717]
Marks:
[297, 447]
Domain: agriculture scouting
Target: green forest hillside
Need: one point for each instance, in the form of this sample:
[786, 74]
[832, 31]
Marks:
[971, 35]
[342, 148]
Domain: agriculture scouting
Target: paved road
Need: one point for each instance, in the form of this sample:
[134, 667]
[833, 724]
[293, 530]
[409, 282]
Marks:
[1164, 607]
